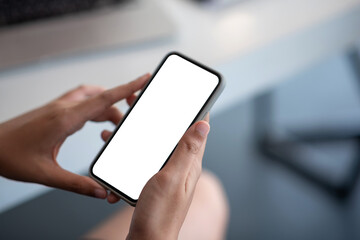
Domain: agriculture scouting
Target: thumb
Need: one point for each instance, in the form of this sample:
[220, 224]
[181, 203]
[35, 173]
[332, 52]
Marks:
[63, 179]
[189, 150]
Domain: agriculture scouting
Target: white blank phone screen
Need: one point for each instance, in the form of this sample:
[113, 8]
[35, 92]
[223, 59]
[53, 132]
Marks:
[155, 125]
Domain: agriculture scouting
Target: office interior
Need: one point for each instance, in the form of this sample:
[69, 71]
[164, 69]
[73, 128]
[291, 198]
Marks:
[284, 133]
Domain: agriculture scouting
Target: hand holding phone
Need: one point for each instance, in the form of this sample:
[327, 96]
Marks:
[166, 197]
[180, 92]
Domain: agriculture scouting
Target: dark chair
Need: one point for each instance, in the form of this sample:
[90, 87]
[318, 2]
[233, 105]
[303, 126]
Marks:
[287, 151]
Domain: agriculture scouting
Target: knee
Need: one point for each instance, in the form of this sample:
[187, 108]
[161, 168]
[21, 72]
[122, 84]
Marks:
[211, 192]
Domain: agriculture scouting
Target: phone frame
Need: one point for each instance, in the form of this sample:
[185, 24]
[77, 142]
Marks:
[201, 114]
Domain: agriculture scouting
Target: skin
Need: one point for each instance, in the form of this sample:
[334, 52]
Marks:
[207, 216]
[166, 198]
[30, 143]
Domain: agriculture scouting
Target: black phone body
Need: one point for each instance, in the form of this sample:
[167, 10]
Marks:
[180, 92]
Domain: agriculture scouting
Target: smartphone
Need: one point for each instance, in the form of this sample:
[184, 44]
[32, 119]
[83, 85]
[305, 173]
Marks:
[180, 92]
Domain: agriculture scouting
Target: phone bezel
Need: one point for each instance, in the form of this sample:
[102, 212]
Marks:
[205, 108]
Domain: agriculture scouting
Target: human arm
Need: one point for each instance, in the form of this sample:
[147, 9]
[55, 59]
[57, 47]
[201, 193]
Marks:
[29, 144]
[166, 198]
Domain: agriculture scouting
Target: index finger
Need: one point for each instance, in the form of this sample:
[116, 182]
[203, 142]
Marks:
[81, 92]
[94, 106]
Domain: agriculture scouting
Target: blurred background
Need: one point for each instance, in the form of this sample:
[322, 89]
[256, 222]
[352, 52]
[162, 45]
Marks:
[285, 132]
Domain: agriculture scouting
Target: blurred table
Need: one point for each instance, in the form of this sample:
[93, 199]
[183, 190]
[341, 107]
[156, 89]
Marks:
[255, 44]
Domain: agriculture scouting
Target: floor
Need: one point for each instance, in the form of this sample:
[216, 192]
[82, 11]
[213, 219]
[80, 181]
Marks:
[267, 199]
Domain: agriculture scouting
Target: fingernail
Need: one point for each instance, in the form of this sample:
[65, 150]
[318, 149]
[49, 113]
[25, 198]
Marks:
[111, 199]
[146, 75]
[100, 193]
[202, 128]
